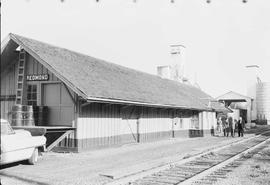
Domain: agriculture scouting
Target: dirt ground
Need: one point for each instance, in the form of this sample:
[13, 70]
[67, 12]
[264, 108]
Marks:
[85, 168]
[254, 171]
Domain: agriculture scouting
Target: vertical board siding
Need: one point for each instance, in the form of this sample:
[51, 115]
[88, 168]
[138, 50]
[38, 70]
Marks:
[155, 124]
[104, 124]
[129, 120]
[8, 87]
[207, 120]
[33, 67]
[68, 142]
[99, 121]
[9, 80]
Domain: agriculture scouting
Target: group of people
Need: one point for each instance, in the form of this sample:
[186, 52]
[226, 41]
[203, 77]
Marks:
[230, 126]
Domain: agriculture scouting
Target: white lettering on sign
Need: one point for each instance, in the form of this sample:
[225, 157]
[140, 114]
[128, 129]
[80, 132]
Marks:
[43, 77]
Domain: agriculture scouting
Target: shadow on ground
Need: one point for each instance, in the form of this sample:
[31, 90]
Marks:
[22, 179]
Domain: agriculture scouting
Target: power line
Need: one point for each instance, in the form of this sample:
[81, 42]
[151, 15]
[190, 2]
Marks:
[171, 1]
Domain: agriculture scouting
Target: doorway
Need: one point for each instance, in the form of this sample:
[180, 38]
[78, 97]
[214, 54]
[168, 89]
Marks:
[60, 105]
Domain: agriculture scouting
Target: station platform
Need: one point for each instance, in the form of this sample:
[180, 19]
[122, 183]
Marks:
[53, 134]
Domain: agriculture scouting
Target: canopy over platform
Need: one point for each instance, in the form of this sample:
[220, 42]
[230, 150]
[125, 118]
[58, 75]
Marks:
[232, 97]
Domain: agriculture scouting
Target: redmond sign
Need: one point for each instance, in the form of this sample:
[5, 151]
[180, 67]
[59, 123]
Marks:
[41, 77]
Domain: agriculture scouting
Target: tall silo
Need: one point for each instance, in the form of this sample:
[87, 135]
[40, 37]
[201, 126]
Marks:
[263, 101]
[252, 76]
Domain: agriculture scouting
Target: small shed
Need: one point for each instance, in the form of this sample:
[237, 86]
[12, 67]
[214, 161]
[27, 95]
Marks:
[241, 105]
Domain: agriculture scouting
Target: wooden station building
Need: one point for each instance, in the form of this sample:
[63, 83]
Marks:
[99, 103]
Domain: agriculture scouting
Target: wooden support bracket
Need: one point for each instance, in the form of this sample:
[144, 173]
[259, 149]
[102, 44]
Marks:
[58, 140]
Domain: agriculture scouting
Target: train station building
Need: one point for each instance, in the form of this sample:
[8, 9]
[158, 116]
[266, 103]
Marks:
[93, 103]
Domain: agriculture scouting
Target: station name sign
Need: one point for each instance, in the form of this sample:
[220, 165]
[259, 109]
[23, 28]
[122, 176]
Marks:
[41, 77]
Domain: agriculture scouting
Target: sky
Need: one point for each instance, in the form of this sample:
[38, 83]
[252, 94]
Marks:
[221, 38]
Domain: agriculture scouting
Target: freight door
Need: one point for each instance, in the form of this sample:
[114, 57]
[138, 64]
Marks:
[60, 104]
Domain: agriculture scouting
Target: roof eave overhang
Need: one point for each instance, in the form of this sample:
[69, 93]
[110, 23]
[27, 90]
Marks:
[128, 102]
[233, 100]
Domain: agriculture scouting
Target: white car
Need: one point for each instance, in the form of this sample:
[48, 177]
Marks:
[18, 145]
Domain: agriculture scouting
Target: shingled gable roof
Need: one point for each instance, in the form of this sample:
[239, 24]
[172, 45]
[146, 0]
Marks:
[95, 79]
[233, 96]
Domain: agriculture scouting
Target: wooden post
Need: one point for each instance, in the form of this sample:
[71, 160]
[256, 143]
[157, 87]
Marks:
[138, 124]
[173, 117]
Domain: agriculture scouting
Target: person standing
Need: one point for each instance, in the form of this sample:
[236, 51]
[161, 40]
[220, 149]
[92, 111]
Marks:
[227, 128]
[240, 127]
[230, 120]
[219, 125]
[223, 119]
[234, 126]
[212, 131]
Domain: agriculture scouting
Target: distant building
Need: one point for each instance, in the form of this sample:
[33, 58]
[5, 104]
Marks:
[251, 110]
[240, 105]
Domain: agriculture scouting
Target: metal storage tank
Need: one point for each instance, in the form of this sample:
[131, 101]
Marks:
[263, 101]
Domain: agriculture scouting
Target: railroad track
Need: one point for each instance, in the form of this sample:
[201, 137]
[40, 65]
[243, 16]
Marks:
[204, 169]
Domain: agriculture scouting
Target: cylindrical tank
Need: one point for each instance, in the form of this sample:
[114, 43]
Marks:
[40, 115]
[263, 101]
[22, 115]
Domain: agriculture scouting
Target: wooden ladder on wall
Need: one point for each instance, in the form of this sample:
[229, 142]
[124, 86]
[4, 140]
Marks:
[21, 77]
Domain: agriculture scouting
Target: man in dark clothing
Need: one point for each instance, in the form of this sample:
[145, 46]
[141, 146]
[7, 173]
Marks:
[240, 126]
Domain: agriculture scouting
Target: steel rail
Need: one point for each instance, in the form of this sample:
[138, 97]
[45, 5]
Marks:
[130, 179]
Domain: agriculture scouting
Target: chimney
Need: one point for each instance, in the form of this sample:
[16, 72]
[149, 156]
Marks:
[178, 62]
[164, 72]
[174, 70]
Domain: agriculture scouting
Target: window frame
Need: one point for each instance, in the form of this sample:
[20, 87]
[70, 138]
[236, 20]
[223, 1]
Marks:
[33, 100]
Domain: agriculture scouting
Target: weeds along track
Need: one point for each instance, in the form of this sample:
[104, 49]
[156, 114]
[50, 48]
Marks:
[204, 169]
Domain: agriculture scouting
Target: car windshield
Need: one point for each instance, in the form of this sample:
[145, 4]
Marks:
[6, 128]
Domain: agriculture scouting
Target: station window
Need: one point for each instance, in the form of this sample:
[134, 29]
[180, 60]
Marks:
[181, 122]
[32, 95]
